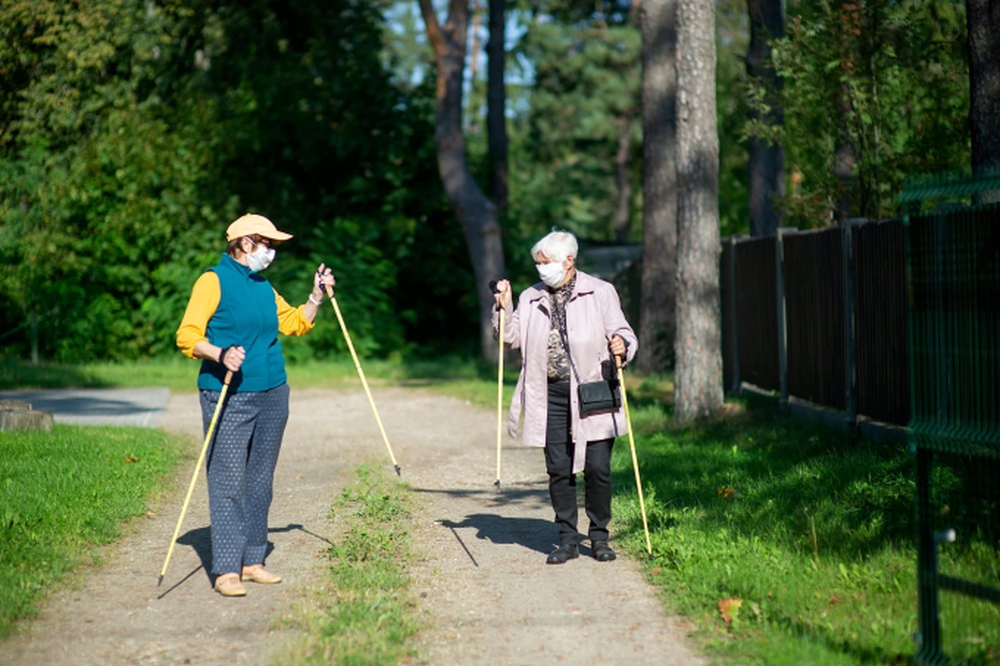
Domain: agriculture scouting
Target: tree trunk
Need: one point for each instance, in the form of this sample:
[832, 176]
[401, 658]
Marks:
[845, 152]
[766, 162]
[983, 22]
[698, 373]
[658, 22]
[476, 213]
[623, 167]
[496, 103]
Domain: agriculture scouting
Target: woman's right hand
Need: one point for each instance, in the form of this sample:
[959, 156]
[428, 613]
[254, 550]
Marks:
[502, 294]
[233, 358]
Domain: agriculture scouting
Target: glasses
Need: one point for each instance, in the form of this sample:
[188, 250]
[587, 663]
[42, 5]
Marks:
[266, 242]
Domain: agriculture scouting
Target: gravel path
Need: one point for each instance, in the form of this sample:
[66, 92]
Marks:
[486, 595]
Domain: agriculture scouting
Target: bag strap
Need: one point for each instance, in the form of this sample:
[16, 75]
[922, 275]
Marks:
[562, 332]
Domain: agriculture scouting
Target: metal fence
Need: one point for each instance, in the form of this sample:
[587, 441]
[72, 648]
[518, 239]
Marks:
[820, 316]
[880, 302]
[954, 262]
[896, 321]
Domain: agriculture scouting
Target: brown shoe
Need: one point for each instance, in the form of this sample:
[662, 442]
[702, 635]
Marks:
[258, 574]
[229, 585]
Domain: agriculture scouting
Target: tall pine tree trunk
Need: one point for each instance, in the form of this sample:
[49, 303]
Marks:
[766, 162]
[476, 213]
[658, 22]
[983, 22]
[496, 103]
[698, 373]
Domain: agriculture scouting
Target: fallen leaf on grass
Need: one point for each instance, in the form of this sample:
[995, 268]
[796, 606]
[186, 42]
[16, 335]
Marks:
[130, 459]
[834, 600]
[727, 605]
[726, 492]
[657, 571]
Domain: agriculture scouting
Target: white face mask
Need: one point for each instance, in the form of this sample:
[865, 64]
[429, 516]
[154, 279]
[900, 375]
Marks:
[260, 258]
[552, 274]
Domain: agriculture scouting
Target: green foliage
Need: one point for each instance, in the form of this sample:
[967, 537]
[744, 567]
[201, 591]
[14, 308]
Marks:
[97, 180]
[809, 530]
[587, 85]
[366, 615]
[890, 79]
[132, 132]
[65, 492]
[731, 111]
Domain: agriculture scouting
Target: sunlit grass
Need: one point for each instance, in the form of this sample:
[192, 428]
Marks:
[64, 492]
[180, 374]
[811, 531]
[364, 614]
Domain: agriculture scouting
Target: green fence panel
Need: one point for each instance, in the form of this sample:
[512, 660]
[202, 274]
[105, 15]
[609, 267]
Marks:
[953, 259]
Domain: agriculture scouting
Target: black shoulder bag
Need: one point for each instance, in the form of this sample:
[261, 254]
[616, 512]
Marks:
[595, 397]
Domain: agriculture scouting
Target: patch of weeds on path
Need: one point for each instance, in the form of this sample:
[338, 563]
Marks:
[64, 492]
[364, 612]
[780, 541]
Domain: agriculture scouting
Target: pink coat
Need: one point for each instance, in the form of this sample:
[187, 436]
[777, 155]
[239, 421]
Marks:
[593, 314]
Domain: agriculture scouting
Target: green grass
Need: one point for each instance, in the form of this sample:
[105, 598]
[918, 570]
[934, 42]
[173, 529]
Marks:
[180, 374]
[366, 613]
[809, 529]
[63, 493]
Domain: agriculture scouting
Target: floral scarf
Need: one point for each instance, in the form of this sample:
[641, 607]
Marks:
[558, 358]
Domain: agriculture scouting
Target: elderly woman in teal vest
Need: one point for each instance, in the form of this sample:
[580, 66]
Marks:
[232, 323]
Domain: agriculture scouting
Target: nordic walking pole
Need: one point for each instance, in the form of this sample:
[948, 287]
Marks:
[635, 461]
[493, 288]
[194, 477]
[361, 374]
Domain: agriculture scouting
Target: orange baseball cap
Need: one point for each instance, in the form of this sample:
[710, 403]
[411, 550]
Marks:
[248, 225]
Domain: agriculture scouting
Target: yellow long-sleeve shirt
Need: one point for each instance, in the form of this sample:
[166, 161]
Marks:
[205, 299]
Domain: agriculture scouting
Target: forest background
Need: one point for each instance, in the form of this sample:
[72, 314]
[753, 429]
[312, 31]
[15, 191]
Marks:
[133, 131]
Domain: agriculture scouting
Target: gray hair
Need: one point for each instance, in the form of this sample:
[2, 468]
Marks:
[556, 245]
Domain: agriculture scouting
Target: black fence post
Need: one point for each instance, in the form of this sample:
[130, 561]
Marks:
[779, 253]
[850, 356]
[928, 638]
[734, 328]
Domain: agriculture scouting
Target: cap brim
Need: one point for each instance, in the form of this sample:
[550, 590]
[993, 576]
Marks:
[275, 235]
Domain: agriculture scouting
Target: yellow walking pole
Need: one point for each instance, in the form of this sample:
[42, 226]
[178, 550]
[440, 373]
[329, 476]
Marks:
[635, 462]
[361, 374]
[194, 477]
[499, 400]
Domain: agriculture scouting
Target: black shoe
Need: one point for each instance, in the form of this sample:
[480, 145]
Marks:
[602, 551]
[563, 554]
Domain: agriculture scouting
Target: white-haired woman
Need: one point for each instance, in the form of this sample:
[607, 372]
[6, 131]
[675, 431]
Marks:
[568, 327]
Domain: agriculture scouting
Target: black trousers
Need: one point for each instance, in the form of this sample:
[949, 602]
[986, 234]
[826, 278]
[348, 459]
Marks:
[562, 481]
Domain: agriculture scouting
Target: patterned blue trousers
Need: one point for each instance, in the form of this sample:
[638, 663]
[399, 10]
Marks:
[240, 466]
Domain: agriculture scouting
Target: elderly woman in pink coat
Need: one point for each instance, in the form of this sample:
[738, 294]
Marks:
[567, 327]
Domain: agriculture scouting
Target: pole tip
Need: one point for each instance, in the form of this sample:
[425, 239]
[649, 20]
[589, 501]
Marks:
[497, 484]
[399, 472]
[159, 582]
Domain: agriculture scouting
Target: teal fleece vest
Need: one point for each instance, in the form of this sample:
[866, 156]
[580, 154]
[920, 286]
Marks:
[247, 316]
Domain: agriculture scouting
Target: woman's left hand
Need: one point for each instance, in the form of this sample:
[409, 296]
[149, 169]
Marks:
[322, 278]
[617, 346]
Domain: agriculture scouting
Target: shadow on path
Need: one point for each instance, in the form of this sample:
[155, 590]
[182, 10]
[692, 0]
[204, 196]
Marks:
[532, 533]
